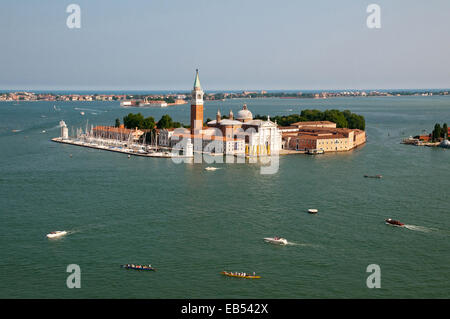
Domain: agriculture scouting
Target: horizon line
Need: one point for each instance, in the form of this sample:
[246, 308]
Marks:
[214, 90]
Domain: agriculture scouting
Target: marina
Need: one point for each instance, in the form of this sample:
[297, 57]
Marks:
[135, 150]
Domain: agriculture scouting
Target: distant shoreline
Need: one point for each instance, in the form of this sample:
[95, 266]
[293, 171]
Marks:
[183, 97]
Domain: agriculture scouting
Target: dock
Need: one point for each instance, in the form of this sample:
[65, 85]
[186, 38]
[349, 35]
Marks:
[119, 149]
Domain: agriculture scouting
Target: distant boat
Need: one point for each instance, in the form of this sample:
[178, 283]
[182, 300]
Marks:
[56, 234]
[373, 176]
[445, 144]
[313, 211]
[82, 113]
[138, 267]
[240, 275]
[276, 240]
[15, 131]
[393, 222]
[314, 152]
[210, 168]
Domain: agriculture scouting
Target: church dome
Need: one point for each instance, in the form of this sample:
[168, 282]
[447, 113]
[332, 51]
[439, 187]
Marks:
[244, 114]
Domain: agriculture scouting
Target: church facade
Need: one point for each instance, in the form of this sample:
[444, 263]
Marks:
[235, 135]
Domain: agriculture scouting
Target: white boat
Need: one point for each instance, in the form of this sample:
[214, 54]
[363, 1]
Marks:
[82, 113]
[445, 144]
[57, 234]
[210, 168]
[313, 211]
[276, 240]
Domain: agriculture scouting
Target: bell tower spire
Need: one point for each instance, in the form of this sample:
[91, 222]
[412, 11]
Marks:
[197, 106]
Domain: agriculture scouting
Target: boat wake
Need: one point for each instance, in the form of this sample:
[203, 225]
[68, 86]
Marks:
[419, 228]
[290, 243]
[86, 109]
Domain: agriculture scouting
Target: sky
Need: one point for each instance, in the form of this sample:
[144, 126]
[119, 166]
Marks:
[235, 44]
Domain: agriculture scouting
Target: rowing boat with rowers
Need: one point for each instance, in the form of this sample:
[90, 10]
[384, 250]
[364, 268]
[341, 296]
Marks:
[138, 267]
[240, 275]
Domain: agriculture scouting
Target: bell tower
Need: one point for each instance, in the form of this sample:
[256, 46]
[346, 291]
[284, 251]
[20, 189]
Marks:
[197, 107]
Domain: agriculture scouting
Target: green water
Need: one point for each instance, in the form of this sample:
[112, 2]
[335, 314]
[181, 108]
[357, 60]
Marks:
[191, 224]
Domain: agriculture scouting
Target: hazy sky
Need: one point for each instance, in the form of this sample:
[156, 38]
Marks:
[236, 44]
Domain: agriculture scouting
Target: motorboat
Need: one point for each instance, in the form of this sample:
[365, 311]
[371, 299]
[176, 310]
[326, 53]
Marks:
[240, 275]
[57, 234]
[210, 168]
[373, 176]
[445, 144]
[313, 211]
[393, 222]
[314, 152]
[82, 113]
[276, 240]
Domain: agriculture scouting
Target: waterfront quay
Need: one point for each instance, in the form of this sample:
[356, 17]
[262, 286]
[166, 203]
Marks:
[119, 147]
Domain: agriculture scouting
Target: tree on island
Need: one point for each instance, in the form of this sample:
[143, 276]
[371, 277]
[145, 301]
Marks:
[436, 134]
[345, 119]
[439, 132]
[132, 121]
[167, 122]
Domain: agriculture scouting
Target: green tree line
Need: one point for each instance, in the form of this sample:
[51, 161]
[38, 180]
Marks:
[132, 121]
[343, 119]
[439, 132]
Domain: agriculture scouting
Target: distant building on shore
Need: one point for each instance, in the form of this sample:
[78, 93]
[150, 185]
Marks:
[321, 136]
[117, 133]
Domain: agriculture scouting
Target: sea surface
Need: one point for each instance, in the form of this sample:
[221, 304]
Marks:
[191, 224]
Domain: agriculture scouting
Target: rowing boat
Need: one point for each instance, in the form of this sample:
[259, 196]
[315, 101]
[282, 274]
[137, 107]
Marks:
[239, 275]
[138, 267]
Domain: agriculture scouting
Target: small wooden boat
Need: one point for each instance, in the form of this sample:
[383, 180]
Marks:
[313, 211]
[373, 176]
[138, 267]
[240, 275]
